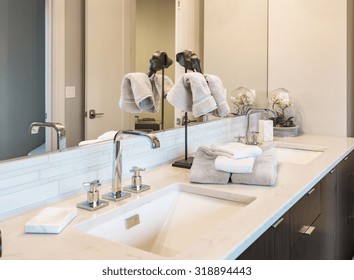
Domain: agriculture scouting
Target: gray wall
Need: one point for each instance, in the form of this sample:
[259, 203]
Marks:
[75, 70]
[22, 68]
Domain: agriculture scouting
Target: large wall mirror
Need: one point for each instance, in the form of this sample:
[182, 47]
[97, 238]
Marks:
[232, 44]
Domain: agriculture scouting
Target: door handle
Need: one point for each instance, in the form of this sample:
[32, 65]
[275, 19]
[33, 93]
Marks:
[93, 114]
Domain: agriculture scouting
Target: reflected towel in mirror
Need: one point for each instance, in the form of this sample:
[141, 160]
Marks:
[136, 94]
[139, 93]
[156, 81]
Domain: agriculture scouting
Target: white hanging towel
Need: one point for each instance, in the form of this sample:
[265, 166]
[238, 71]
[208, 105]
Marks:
[218, 93]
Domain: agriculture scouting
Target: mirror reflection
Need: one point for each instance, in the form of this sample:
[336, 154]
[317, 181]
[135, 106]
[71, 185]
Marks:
[22, 75]
[233, 46]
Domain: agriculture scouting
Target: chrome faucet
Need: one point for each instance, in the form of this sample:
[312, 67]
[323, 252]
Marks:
[117, 194]
[250, 138]
[59, 128]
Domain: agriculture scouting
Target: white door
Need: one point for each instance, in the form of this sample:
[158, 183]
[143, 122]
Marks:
[108, 49]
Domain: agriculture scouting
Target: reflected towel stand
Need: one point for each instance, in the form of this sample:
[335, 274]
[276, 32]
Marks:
[190, 61]
[160, 61]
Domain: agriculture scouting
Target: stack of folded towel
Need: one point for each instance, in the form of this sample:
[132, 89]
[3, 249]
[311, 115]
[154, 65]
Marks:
[199, 94]
[139, 93]
[242, 164]
[203, 171]
[264, 172]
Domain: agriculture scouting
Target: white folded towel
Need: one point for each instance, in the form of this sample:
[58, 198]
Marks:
[191, 93]
[242, 165]
[137, 95]
[89, 142]
[109, 135]
[218, 92]
[237, 150]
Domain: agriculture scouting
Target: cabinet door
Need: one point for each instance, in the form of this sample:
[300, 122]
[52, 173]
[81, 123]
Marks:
[350, 206]
[272, 244]
[261, 249]
[304, 213]
[351, 209]
[328, 214]
[281, 238]
[343, 239]
[308, 247]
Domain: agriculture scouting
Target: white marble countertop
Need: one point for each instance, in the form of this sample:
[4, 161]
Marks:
[228, 239]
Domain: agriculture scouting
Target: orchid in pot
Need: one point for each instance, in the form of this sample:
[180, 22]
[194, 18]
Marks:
[242, 98]
[284, 121]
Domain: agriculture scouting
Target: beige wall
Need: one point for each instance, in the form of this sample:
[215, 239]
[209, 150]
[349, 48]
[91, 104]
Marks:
[155, 30]
[310, 53]
[235, 44]
[308, 56]
[74, 70]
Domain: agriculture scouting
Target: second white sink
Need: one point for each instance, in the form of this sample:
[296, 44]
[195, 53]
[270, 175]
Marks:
[297, 153]
[167, 221]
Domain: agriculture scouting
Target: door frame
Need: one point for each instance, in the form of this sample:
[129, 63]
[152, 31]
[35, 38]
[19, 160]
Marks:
[54, 67]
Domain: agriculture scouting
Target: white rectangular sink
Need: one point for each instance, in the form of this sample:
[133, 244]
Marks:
[297, 153]
[167, 221]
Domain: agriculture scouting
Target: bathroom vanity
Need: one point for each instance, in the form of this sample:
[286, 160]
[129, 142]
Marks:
[305, 215]
[318, 226]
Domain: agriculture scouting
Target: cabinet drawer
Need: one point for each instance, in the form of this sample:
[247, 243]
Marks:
[304, 213]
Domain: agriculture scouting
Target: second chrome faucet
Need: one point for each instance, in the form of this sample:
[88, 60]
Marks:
[117, 192]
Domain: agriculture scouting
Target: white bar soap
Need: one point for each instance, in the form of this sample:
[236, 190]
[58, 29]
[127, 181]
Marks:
[51, 220]
[265, 130]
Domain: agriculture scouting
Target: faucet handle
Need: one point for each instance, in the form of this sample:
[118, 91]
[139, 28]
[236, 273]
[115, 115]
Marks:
[136, 170]
[240, 139]
[93, 201]
[136, 181]
[92, 185]
[252, 139]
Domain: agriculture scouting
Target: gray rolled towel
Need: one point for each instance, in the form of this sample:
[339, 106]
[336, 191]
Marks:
[264, 173]
[203, 168]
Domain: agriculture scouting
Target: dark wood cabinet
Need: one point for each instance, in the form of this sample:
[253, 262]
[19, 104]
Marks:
[272, 244]
[319, 226]
[308, 247]
[351, 209]
[344, 202]
[305, 226]
[329, 215]
[303, 214]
